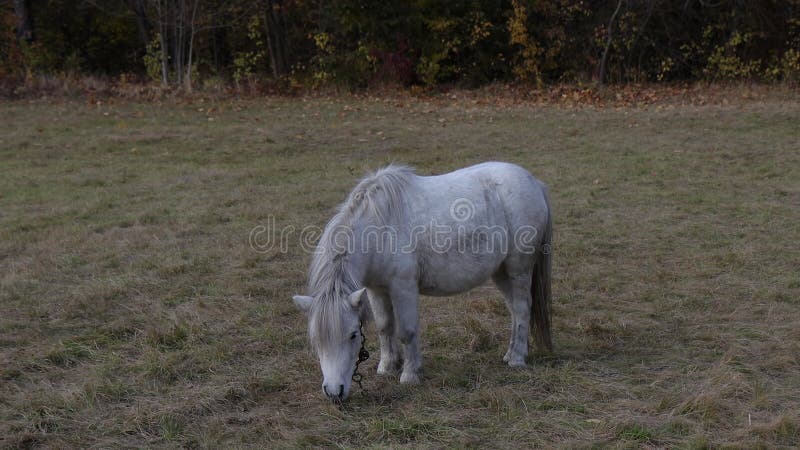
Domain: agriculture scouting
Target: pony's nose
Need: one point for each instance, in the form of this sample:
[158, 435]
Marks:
[333, 394]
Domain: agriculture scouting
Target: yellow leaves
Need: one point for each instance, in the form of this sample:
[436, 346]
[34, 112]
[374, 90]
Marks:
[253, 29]
[324, 42]
[245, 62]
[153, 58]
[481, 29]
[527, 64]
[517, 28]
[442, 25]
[666, 66]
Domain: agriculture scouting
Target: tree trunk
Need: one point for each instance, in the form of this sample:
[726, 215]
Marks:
[177, 42]
[162, 25]
[275, 24]
[142, 23]
[601, 76]
[188, 82]
[24, 20]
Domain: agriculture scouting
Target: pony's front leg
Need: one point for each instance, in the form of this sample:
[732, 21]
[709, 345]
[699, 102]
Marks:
[384, 322]
[405, 302]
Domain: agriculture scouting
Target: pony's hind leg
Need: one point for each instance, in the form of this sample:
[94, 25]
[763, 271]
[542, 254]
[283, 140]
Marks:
[502, 282]
[516, 287]
[384, 323]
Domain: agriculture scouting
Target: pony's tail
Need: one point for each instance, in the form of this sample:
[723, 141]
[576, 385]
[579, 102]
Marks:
[540, 289]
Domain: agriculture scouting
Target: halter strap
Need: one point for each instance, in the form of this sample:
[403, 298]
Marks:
[363, 355]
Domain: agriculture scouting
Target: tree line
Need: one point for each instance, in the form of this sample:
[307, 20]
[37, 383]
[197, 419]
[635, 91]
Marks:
[358, 43]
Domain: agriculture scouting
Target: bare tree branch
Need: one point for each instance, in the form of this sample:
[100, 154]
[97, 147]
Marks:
[604, 60]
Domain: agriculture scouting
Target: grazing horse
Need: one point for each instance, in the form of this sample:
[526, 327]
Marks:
[399, 235]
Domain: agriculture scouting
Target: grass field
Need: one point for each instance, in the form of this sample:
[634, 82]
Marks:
[134, 312]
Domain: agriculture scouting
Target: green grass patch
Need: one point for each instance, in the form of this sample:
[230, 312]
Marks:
[635, 432]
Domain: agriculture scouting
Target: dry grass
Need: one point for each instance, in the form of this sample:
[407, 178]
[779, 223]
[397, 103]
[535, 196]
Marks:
[133, 311]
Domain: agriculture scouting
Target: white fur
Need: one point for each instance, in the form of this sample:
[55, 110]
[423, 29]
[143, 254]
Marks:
[482, 203]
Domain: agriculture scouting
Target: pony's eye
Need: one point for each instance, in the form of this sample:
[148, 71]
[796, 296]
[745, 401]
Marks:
[353, 336]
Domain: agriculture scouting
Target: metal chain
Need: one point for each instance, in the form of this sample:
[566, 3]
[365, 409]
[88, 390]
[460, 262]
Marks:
[363, 355]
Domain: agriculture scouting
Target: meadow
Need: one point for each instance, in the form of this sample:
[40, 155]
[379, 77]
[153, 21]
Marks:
[135, 311]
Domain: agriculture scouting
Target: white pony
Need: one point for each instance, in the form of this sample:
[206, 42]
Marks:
[399, 235]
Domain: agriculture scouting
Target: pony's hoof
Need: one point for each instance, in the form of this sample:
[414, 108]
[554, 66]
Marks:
[517, 362]
[409, 378]
[387, 370]
[513, 359]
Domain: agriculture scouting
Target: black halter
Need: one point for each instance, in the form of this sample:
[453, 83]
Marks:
[363, 355]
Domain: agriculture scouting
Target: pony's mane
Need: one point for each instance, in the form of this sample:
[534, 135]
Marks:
[379, 199]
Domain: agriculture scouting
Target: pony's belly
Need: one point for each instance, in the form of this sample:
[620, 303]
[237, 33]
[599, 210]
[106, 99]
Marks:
[443, 276]
[445, 291]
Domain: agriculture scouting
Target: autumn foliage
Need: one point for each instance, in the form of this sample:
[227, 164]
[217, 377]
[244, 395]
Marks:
[209, 44]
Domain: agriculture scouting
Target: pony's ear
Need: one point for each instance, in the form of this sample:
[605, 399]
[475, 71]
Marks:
[303, 302]
[358, 298]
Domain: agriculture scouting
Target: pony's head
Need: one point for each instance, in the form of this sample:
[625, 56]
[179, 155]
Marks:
[334, 329]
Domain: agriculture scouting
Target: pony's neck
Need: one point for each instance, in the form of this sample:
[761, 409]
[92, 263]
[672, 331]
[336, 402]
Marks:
[355, 266]
[339, 275]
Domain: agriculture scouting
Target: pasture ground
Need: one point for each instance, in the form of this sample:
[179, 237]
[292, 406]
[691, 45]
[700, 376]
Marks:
[134, 311]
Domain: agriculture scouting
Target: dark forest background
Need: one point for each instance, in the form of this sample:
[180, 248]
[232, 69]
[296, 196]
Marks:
[362, 43]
